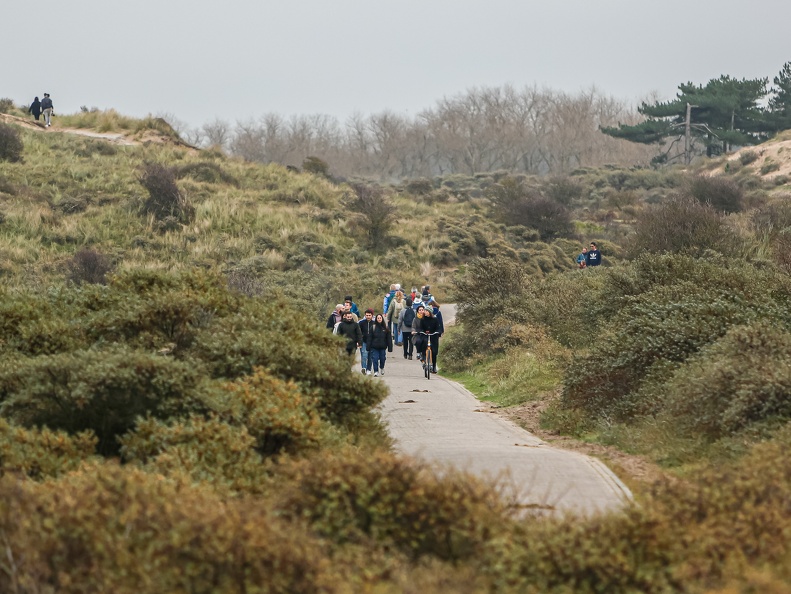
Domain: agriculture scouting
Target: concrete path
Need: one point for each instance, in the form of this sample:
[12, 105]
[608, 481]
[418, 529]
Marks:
[439, 421]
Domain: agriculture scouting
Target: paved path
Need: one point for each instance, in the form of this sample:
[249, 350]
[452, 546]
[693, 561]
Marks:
[441, 422]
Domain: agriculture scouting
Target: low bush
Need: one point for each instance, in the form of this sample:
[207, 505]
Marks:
[11, 146]
[89, 266]
[719, 192]
[316, 166]
[351, 497]
[206, 171]
[680, 225]
[665, 325]
[275, 413]
[515, 203]
[6, 105]
[741, 379]
[207, 450]
[747, 157]
[102, 390]
[113, 529]
[290, 349]
[375, 214]
[164, 198]
[42, 453]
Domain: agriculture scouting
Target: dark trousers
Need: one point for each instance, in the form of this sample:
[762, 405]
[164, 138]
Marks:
[408, 347]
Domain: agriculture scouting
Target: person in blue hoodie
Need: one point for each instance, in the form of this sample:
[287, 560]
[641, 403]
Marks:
[354, 309]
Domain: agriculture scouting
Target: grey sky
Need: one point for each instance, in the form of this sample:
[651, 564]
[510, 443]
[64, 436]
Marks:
[237, 59]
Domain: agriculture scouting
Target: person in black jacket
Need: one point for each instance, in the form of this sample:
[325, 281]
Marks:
[378, 344]
[35, 108]
[429, 323]
[350, 329]
[367, 328]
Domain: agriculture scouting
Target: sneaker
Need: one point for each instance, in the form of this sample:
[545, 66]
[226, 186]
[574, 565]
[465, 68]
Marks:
[376, 374]
[383, 372]
[433, 370]
[409, 357]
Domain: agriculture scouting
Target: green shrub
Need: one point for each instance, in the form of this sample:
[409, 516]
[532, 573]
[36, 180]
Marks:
[680, 225]
[6, 105]
[104, 391]
[374, 214]
[290, 349]
[275, 413]
[420, 186]
[113, 529]
[316, 166]
[769, 167]
[747, 157]
[205, 171]
[563, 190]
[10, 144]
[352, 497]
[719, 192]
[740, 379]
[164, 198]
[665, 325]
[207, 450]
[42, 453]
[514, 202]
[89, 266]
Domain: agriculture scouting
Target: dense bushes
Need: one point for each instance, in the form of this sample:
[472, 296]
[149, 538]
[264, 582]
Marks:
[10, 144]
[97, 357]
[741, 379]
[719, 192]
[515, 203]
[395, 502]
[103, 390]
[680, 225]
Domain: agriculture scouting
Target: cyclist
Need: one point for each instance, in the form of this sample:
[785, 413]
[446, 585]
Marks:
[430, 324]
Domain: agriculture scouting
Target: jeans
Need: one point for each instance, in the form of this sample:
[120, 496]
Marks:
[376, 357]
[364, 356]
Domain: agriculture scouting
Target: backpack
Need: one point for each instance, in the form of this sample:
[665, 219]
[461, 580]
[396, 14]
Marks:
[409, 316]
[335, 329]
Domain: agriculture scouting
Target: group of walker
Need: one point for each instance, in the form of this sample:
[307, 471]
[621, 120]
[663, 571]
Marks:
[412, 322]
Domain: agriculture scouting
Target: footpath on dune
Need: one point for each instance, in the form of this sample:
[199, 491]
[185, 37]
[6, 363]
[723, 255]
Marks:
[440, 422]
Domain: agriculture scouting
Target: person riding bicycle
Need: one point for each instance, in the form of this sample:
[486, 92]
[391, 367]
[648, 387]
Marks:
[430, 324]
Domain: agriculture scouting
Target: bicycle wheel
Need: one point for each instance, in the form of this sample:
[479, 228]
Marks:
[428, 363]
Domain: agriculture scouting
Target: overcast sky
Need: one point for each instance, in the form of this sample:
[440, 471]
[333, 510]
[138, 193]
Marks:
[239, 59]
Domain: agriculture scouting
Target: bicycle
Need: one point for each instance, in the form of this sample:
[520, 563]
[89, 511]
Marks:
[428, 355]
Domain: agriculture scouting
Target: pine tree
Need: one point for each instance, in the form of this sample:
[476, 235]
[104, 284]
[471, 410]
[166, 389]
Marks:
[780, 102]
[725, 112]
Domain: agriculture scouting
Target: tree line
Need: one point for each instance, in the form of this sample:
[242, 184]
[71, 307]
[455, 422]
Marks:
[534, 131]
